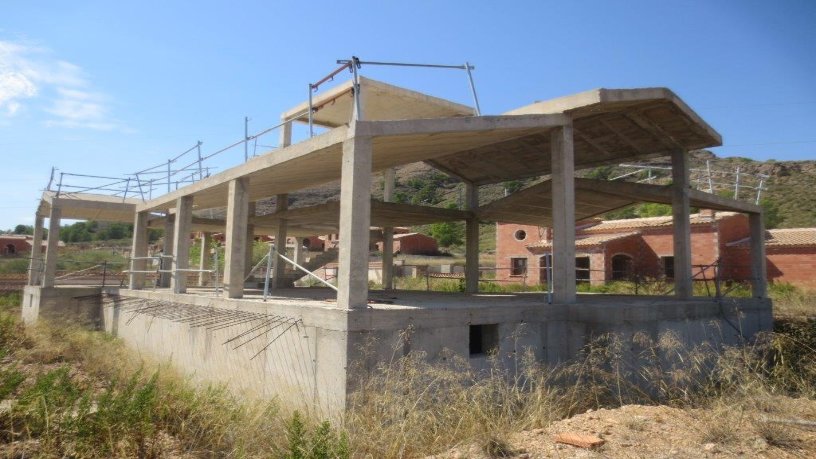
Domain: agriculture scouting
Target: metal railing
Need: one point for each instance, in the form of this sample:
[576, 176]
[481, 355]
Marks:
[176, 171]
[354, 65]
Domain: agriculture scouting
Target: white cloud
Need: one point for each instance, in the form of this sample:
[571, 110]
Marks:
[29, 73]
[14, 87]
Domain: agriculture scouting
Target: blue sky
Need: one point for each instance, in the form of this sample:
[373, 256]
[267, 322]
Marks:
[109, 88]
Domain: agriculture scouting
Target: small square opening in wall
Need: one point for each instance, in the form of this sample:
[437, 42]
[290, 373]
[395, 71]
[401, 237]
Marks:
[484, 339]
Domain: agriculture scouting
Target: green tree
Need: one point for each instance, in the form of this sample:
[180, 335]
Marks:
[770, 214]
[23, 229]
[651, 209]
[448, 233]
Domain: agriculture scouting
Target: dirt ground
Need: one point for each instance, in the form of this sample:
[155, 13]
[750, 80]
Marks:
[636, 431]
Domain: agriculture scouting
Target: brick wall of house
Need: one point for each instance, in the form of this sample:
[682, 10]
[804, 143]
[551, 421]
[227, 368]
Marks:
[11, 246]
[708, 242]
[732, 229]
[705, 247]
[634, 247]
[415, 244]
[794, 265]
[509, 247]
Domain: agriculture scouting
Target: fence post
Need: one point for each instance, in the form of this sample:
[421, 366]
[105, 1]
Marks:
[104, 272]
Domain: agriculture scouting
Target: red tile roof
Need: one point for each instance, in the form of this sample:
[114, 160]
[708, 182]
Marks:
[586, 241]
[652, 222]
[789, 237]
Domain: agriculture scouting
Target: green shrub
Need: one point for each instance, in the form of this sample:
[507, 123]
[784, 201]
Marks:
[14, 266]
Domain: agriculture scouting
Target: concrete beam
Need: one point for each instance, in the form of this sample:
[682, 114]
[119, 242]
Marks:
[759, 269]
[459, 124]
[35, 266]
[138, 250]
[50, 270]
[87, 206]
[712, 201]
[237, 214]
[278, 264]
[471, 240]
[203, 257]
[563, 215]
[683, 287]
[181, 243]
[355, 220]
[389, 182]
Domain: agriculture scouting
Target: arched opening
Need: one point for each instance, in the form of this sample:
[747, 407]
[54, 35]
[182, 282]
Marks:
[622, 267]
[10, 249]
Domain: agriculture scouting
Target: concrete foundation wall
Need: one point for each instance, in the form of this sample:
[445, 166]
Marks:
[314, 364]
[76, 304]
[301, 361]
[557, 333]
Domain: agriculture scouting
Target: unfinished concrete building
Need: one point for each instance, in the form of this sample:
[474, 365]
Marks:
[304, 342]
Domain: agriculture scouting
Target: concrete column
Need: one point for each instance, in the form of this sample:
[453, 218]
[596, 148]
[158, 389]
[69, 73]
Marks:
[759, 269]
[471, 240]
[563, 215]
[35, 266]
[168, 251]
[682, 225]
[250, 245]
[285, 134]
[138, 250]
[181, 243]
[203, 257]
[355, 221]
[298, 255]
[50, 270]
[389, 181]
[237, 213]
[278, 264]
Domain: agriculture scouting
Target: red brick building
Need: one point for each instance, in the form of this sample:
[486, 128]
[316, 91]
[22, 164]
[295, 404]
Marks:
[18, 244]
[413, 244]
[643, 248]
[791, 255]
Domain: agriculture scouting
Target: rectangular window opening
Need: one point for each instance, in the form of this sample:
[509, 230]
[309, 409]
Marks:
[518, 266]
[668, 267]
[582, 272]
[484, 339]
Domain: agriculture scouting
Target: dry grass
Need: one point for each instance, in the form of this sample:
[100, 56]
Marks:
[80, 393]
[406, 407]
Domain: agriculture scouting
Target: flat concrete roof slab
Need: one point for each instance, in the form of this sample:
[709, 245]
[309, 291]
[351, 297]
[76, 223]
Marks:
[88, 206]
[381, 101]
